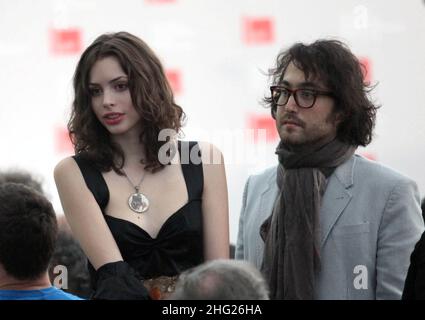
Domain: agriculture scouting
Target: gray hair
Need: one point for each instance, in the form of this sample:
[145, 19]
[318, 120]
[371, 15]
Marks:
[221, 280]
[21, 176]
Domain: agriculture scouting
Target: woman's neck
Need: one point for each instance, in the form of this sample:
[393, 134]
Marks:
[132, 148]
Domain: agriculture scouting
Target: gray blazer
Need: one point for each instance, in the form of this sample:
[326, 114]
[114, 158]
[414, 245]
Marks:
[370, 221]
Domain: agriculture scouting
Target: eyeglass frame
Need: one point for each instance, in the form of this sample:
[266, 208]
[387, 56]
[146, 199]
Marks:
[294, 94]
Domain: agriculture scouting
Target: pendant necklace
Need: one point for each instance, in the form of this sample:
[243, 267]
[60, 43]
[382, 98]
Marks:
[137, 201]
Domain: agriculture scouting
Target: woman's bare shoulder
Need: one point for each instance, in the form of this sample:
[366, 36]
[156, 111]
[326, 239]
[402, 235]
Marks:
[211, 154]
[68, 171]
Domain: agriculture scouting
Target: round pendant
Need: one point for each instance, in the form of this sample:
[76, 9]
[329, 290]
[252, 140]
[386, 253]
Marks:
[138, 202]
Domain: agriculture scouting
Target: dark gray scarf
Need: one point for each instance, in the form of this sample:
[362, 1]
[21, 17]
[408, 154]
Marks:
[292, 232]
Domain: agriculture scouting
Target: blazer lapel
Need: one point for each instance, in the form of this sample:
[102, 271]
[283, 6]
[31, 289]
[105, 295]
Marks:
[336, 197]
[268, 195]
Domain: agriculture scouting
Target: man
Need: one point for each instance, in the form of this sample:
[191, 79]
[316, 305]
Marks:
[326, 223]
[414, 286]
[221, 280]
[423, 208]
[28, 230]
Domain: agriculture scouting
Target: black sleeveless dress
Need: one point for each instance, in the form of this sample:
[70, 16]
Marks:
[179, 243]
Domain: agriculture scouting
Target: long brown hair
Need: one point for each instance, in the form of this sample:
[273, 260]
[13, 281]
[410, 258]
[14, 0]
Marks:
[151, 95]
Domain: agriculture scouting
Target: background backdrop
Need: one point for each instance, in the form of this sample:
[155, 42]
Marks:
[216, 53]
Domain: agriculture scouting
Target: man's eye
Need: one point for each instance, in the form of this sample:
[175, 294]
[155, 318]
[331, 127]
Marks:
[307, 94]
[284, 93]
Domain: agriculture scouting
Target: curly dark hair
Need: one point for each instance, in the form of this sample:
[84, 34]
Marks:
[332, 62]
[151, 95]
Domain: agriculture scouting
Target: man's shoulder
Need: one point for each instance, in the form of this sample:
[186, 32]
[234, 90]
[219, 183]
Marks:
[54, 293]
[264, 176]
[49, 293]
[377, 171]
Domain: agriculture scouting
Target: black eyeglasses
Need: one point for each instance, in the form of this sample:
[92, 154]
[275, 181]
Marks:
[304, 98]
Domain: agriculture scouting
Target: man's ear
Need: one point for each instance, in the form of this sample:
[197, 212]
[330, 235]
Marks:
[339, 117]
[273, 112]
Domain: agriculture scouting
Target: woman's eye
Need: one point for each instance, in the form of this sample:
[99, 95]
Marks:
[121, 86]
[95, 92]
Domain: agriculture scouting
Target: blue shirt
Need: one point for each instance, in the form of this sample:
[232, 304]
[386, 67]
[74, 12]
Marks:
[51, 293]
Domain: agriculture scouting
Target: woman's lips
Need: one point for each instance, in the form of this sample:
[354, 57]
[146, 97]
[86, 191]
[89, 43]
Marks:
[113, 118]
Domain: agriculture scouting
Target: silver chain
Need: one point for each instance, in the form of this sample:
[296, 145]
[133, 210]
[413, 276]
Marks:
[131, 182]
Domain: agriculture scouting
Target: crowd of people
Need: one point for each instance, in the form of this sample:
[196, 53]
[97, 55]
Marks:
[146, 214]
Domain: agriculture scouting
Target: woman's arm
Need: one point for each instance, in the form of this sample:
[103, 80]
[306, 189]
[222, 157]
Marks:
[84, 215]
[215, 205]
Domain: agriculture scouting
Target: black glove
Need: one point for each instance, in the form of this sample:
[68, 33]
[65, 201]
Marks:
[118, 281]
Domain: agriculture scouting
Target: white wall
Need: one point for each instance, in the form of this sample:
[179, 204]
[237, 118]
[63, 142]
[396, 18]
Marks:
[222, 76]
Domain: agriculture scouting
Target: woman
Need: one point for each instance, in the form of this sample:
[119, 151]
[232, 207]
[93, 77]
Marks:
[138, 212]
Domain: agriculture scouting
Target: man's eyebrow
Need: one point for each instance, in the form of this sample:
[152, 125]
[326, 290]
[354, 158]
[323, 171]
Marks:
[305, 84]
[285, 83]
[110, 81]
[308, 84]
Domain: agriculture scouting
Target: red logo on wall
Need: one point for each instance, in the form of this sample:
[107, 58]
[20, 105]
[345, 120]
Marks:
[160, 1]
[65, 41]
[258, 30]
[366, 69]
[264, 122]
[62, 141]
[175, 79]
[369, 155]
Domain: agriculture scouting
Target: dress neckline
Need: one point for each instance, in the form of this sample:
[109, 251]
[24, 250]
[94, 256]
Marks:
[189, 195]
[163, 226]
